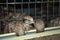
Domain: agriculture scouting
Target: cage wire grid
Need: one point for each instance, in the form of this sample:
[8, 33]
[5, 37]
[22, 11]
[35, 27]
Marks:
[33, 7]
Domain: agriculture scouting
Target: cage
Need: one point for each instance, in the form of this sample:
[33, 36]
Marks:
[47, 10]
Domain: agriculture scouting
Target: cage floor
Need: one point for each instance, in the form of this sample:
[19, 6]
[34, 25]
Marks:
[32, 32]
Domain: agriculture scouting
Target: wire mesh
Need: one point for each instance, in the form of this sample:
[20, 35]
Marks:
[44, 9]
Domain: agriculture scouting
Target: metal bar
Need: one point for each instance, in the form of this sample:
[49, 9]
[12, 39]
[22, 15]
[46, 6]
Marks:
[2, 3]
[29, 8]
[41, 8]
[22, 6]
[35, 10]
[59, 9]
[47, 10]
[53, 8]
[14, 8]
[0, 26]
[7, 6]
[28, 2]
